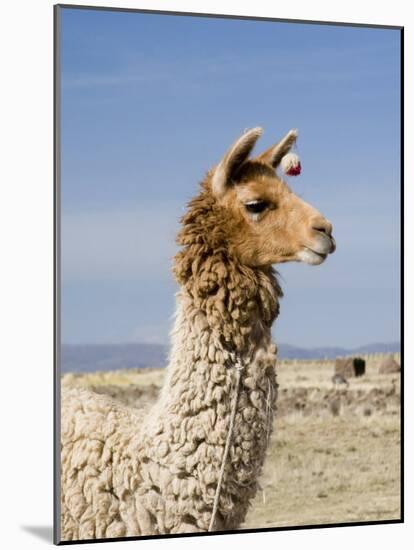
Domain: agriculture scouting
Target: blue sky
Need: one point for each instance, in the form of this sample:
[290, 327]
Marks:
[150, 102]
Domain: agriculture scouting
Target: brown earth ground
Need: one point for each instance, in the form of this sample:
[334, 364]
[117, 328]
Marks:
[335, 450]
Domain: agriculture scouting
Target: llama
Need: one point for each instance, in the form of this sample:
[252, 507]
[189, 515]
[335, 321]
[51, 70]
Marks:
[192, 463]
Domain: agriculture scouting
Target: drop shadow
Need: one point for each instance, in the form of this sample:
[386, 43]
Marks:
[43, 532]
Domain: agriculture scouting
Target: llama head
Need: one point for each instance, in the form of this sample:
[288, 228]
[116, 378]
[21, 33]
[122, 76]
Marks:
[269, 223]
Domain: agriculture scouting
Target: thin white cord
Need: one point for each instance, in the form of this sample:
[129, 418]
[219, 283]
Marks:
[239, 369]
[269, 411]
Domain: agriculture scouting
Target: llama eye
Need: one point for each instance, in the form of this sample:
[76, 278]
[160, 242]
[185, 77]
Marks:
[256, 207]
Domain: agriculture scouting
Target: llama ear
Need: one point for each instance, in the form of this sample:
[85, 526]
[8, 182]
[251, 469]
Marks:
[274, 154]
[232, 160]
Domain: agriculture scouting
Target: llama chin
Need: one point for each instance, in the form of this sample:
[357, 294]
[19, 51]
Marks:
[309, 256]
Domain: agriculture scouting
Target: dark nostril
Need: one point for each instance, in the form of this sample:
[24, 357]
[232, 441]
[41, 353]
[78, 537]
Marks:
[323, 227]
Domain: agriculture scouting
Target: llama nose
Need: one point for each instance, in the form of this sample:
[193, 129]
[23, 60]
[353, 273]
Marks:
[322, 225]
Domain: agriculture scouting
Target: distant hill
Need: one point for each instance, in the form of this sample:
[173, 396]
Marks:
[292, 352]
[92, 357]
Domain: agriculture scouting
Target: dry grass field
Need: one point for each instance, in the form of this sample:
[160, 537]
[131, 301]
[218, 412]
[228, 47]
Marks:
[335, 450]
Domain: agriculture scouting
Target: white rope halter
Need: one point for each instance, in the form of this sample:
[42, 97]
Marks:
[239, 367]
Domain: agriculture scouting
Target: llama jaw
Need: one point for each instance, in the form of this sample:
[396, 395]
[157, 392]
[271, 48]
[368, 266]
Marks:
[309, 256]
[318, 252]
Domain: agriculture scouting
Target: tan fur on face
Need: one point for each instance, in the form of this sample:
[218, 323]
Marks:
[279, 233]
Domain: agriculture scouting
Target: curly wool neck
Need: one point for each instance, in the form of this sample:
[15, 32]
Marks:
[239, 302]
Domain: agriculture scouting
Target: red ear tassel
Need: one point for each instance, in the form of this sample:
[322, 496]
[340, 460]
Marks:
[295, 170]
[291, 164]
